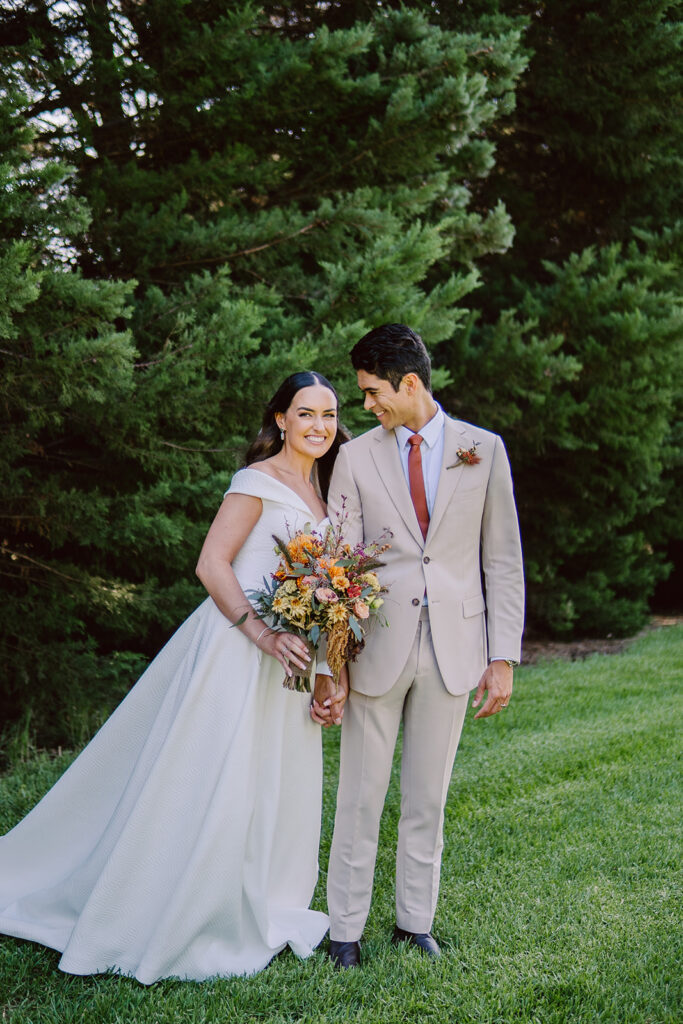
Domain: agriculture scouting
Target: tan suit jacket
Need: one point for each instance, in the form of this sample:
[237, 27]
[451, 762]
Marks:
[473, 527]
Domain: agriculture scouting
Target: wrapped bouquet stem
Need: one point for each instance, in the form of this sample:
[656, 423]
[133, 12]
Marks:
[300, 679]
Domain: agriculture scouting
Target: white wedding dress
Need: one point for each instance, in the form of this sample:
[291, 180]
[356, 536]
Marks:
[183, 841]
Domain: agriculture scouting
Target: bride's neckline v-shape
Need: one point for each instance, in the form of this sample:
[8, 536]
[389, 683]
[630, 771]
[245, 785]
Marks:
[291, 491]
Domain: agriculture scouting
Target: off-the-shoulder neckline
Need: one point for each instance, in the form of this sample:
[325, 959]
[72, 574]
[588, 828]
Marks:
[287, 488]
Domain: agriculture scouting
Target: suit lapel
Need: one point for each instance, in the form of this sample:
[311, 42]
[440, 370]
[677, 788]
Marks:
[449, 478]
[386, 457]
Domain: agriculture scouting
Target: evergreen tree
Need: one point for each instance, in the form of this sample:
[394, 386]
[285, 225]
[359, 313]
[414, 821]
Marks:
[591, 369]
[594, 146]
[214, 194]
[592, 152]
[265, 196]
[66, 369]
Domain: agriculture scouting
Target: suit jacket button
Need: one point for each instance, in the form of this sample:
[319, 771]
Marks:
[416, 600]
[426, 559]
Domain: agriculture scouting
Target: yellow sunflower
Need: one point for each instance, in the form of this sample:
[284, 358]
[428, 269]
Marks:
[337, 613]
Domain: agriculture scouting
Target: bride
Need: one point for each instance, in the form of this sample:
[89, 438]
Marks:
[183, 841]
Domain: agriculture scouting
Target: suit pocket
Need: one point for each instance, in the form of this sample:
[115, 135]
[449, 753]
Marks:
[473, 606]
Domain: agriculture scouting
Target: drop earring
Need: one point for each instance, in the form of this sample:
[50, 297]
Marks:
[282, 435]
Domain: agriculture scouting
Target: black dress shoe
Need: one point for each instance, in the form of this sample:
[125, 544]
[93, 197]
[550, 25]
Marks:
[345, 954]
[423, 940]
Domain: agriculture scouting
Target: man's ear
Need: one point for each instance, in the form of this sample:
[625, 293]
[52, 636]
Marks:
[410, 383]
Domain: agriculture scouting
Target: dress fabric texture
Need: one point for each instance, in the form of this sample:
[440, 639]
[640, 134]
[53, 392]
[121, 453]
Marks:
[183, 841]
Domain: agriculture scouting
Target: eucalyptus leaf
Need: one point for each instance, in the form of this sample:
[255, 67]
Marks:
[355, 627]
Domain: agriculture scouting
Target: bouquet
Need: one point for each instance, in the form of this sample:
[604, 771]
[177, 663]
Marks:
[323, 587]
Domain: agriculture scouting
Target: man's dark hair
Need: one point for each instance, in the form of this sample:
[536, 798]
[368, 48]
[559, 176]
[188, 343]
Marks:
[390, 352]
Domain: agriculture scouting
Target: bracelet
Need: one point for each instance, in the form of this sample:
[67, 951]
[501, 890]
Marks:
[261, 634]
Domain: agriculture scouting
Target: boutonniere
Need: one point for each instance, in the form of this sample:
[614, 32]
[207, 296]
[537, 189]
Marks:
[467, 456]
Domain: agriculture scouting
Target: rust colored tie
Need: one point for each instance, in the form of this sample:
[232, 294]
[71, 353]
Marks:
[417, 483]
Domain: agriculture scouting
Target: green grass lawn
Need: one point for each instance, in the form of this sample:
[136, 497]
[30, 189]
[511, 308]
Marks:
[560, 897]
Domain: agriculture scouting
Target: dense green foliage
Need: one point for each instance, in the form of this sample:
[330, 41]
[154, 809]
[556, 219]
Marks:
[574, 349]
[211, 195]
[560, 884]
[67, 371]
[589, 364]
[263, 199]
[591, 156]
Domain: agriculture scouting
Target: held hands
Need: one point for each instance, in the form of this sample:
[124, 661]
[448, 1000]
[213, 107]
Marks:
[287, 648]
[497, 682]
[327, 705]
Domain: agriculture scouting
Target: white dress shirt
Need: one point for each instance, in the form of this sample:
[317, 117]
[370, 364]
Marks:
[431, 450]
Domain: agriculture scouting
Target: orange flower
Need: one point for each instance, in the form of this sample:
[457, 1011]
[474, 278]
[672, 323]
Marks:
[302, 544]
[337, 573]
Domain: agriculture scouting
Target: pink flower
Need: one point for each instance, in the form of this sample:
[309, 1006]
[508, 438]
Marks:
[308, 581]
[326, 596]
[361, 610]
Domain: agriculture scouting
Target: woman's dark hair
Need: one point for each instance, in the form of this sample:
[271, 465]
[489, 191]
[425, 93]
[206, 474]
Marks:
[268, 441]
[390, 352]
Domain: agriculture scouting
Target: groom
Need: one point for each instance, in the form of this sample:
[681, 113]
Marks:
[444, 489]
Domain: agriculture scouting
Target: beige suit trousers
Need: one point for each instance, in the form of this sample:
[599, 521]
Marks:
[432, 723]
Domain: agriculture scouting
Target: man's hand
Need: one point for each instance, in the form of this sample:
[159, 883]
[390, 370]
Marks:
[497, 682]
[327, 706]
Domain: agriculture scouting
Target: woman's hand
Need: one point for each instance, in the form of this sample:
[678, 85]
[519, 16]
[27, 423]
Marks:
[287, 648]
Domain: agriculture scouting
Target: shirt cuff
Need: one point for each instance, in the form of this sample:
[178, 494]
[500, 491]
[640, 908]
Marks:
[321, 666]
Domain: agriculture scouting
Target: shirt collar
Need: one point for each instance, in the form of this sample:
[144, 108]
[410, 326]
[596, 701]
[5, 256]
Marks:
[430, 433]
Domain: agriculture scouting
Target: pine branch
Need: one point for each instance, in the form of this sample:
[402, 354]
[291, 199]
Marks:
[246, 252]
